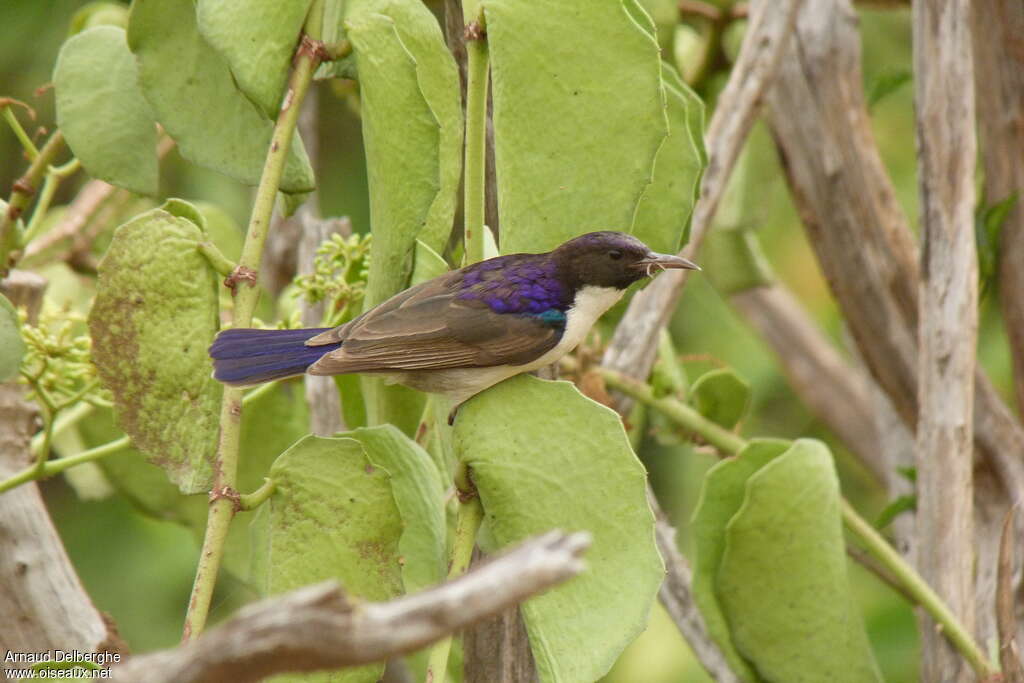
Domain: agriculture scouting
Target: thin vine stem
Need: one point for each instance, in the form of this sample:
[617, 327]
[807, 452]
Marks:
[21, 195]
[467, 524]
[477, 77]
[224, 498]
[19, 132]
[873, 542]
[51, 467]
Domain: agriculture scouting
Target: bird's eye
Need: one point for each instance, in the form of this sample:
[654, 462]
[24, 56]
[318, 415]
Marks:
[615, 254]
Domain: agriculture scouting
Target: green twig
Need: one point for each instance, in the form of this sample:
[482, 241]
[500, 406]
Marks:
[21, 195]
[220, 263]
[919, 589]
[251, 501]
[224, 496]
[66, 419]
[52, 467]
[476, 130]
[467, 524]
[19, 132]
[885, 554]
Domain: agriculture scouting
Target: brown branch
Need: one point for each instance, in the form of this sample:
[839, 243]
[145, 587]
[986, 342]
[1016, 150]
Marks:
[864, 244]
[497, 649]
[633, 347]
[1006, 606]
[46, 606]
[948, 327]
[834, 390]
[999, 89]
[317, 627]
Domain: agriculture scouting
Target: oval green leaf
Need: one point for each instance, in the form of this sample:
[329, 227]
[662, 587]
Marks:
[545, 457]
[419, 495]
[722, 396]
[101, 111]
[155, 315]
[572, 107]
[332, 515]
[412, 127]
[258, 39]
[721, 496]
[194, 96]
[12, 348]
[782, 581]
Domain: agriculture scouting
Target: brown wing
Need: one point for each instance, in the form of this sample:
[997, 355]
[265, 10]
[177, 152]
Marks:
[428, 327]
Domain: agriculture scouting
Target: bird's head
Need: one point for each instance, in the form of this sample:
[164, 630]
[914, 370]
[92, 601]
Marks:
[611, 259]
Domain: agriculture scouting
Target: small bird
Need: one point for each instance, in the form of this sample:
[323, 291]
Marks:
[463, 331]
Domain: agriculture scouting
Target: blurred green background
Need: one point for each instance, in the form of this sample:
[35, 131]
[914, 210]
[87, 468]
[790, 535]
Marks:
[139, 570]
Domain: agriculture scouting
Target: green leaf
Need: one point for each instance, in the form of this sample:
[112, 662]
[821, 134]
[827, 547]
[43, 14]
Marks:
[12, 348]
[258, 39]
[721, 496]
[272, 421]
[735, 260]
[101, 111]
[572, 107]
[988, 228]
[894, 509]
[665, 14]
[224, 232]
[194, 96]
[667, 203]
[886, 84]
[782, 581]
[544, 457]
[429, 264]
[722, 396]
[419, 495]
[154, 317]
[332, 515]
[98, 14]
[412, 125]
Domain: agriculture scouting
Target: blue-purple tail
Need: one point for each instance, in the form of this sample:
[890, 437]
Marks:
[244, 356]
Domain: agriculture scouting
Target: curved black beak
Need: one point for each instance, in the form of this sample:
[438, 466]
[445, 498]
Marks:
[664, 261]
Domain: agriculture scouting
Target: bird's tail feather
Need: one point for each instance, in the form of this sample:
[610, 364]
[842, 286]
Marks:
[245, 356]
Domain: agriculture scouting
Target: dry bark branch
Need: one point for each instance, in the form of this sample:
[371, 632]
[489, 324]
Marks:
[633, 347]
[862, 240]
[999, 90]
[497, 649]
[833, 389]
[1006, 606]
[948, 328]
[43, 602]
[819, 119]
[317, 627]
[322, 394]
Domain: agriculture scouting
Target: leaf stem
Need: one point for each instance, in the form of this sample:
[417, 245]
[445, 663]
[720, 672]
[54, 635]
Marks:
[21, 195]
[66, 419]
[467, 524]
[919, 589]
[218, 261]
[477, 77]
[224, 496]
[873, 542]
[19, 132]
[52, 467]
[251, 501]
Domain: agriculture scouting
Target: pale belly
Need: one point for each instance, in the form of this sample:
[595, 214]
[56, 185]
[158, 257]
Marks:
[459, 384]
